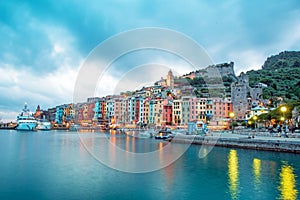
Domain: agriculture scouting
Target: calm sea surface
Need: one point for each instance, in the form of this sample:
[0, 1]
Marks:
[57, 165]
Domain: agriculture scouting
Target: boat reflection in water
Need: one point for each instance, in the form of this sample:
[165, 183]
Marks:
[287, 186]
[233, 174]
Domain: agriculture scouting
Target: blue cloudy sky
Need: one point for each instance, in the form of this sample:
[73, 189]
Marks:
[44, 43]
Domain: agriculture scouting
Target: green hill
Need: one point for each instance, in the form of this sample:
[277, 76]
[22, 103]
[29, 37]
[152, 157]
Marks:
[286, 59]
[282, 75]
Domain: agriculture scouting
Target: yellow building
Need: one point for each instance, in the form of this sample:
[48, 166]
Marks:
[177, 112]
[158, 111]
[146, 112]
[201, 109]
[170, 80]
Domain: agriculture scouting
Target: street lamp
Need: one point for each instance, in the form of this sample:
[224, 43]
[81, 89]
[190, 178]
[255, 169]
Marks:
[283, 109]
[231, 115]
[249, 122]
[254, 118]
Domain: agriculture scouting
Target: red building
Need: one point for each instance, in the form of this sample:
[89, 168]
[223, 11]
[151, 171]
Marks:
[167, 112]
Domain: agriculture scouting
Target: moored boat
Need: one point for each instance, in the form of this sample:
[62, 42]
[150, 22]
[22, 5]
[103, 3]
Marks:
[26, 121]
[163, 135]
[57, 126]
[74, 127]
[201, 128]
[11, 125]
[44, 125]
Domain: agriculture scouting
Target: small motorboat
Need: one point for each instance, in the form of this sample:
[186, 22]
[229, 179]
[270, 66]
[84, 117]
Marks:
[163, 135]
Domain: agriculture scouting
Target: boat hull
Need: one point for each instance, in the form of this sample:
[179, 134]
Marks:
[44, 127]
[8, 125]
[60, 128]
[26, 126]
[163, 135]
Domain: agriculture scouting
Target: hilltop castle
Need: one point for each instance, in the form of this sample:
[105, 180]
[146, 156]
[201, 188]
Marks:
[224, 69]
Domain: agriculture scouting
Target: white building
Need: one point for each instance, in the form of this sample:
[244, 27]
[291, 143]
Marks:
[109, 108]
[258, 110]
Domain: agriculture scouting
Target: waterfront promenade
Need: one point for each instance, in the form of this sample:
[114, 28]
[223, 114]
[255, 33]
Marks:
[246, 139]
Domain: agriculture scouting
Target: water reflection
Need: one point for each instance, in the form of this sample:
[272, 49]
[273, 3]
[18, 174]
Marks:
[133, 143]
[203, 153]
[233, 174]
[161, 152]
[168, 171]
[127, 144]
[112, 149]
[287, 186]
[257, 173]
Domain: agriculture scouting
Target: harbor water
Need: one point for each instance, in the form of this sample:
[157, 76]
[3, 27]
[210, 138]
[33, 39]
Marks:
[58, 165]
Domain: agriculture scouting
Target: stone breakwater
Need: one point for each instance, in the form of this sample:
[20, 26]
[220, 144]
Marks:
[289, 145]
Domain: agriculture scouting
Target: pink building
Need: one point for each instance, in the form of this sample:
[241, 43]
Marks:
[126, 110]
[221, 109]
[80, 114]
[193, 109]
[118, 110]
[85, 112]
[90, 111]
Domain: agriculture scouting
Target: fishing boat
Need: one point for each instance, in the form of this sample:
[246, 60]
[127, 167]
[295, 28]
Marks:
[26, 121]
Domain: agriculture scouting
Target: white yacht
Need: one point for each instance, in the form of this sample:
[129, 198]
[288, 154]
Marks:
[26, 121]
[43, 125]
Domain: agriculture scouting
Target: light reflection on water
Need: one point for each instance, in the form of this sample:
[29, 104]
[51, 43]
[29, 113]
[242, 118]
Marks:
[287, 186]
[233, 174]
[58, 166]
[257, 174]
[287, 177]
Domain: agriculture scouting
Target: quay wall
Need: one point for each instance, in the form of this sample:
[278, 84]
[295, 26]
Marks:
[279, 145]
